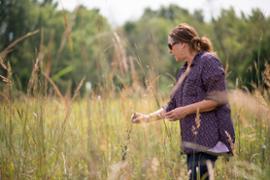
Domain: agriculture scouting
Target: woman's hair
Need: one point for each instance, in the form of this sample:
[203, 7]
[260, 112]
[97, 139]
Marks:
[187, 34]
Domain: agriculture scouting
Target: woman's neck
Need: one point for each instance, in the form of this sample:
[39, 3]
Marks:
[190, 57]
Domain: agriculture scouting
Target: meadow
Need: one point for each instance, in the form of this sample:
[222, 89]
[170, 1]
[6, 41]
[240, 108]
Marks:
[46, 134]
[91, 137]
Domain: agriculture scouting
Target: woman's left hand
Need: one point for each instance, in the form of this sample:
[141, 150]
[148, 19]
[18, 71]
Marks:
[176, 114]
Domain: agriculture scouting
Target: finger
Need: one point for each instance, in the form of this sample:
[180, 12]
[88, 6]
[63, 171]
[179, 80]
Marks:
[170, 115]
[135, 116]
[136, 121]
[173, 117]
[132, 117]
[162, 115]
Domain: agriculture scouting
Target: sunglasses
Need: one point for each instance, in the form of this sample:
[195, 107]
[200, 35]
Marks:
[170, 45]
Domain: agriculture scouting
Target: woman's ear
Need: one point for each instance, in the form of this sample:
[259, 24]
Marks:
[183, 45]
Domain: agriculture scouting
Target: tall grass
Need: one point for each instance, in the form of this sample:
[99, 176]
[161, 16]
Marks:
[37, 141]
[64, 137]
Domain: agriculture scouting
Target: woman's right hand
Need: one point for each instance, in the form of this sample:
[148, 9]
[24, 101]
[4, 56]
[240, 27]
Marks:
[139, 118]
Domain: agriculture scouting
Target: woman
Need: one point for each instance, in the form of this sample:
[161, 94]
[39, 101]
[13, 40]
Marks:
[198, 100]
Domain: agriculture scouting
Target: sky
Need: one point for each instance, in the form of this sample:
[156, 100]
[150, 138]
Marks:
[120, 11]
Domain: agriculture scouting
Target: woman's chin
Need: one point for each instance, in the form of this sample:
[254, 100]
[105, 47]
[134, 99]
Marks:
[178, 60]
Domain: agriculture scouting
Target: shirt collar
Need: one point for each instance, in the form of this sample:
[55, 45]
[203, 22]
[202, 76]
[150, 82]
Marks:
[195, 59]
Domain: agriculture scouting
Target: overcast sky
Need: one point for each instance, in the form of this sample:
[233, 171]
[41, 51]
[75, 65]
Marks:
[119, 11]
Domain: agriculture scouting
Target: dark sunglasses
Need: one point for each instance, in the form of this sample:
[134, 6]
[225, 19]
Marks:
[170, 45]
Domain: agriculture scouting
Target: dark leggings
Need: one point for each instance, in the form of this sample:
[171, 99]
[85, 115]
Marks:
[199, 160]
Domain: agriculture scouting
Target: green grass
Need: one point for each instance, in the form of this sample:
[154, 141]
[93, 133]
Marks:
[42, 138]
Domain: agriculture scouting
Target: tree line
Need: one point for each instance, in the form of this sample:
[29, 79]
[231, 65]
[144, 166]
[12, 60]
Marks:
[70, 46]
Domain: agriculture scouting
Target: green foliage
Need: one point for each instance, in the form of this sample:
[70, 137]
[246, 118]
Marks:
[45, 138]
[84, 41]
[148, 39]
[239, 41]
[66, 39]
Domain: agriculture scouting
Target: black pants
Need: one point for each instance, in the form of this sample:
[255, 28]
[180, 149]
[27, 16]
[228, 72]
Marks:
[198, 161]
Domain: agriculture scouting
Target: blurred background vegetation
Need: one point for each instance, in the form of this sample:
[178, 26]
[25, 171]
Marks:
[49, 56]
[82, 44]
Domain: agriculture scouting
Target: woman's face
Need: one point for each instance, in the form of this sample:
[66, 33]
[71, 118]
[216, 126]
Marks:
[177, 49]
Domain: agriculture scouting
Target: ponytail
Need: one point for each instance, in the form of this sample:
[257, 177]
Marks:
[187, 34]
[201, 44]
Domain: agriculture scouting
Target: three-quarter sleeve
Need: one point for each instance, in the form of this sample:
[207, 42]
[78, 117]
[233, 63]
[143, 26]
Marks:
[213, 77]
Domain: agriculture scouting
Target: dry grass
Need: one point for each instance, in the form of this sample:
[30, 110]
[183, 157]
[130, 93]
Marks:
[65, 137]
[39, 140]
[254, 104]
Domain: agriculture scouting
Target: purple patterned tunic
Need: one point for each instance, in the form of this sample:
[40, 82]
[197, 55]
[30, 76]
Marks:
[206, 76]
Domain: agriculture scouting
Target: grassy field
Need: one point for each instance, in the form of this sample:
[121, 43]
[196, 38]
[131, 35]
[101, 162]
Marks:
[92, 138]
